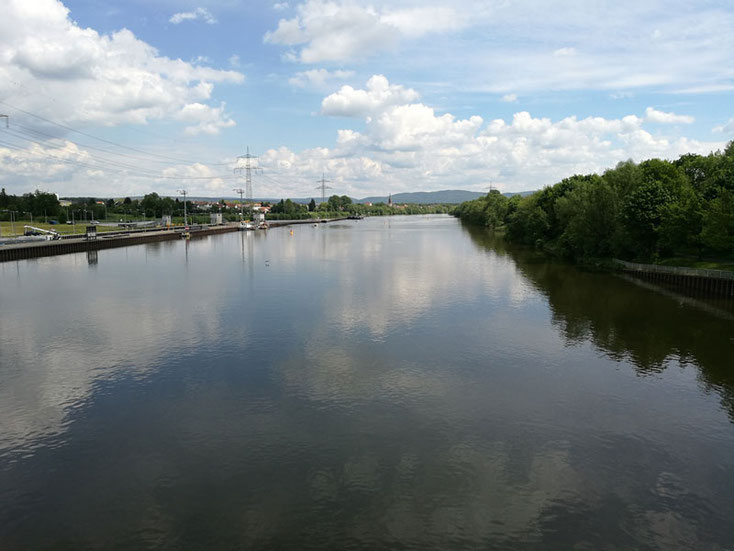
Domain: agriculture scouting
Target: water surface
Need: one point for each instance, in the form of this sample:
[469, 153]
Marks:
[392, 383]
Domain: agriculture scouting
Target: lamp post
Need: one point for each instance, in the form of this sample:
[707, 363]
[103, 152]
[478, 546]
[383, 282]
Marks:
[184, 193]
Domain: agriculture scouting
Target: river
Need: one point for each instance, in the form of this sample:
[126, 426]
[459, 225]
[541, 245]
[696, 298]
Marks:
[390, 383]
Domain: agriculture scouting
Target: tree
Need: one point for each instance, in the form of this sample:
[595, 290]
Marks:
[311, 205]
[642, 212]
[588, 215]
[624, 178]
[151, 204]
[334, 203]
[718, 226]
[681, 223]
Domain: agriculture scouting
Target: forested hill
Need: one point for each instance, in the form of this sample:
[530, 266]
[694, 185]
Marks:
[448, 196]
[634, 211]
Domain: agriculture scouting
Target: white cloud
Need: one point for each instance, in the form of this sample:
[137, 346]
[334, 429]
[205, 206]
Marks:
[416, 22]
[333, 32]
[653, 115]
[280, 6]
[336, 31]
[408, 146]
[727, 128]
[348, 102]
[520, 47]
[54, 68]
[204, 119]
[318, 78]
[509, 98]
[199, 13]
[234, 60]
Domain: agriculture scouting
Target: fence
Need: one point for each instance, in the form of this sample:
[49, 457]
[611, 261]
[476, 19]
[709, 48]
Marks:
[715, 282]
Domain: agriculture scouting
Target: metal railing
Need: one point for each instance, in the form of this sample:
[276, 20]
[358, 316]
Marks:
[675, 270]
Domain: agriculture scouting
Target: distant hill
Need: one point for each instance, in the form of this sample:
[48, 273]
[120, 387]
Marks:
[452, 196]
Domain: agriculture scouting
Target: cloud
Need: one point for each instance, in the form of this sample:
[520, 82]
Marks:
[336, 31]
[318, 78]
[204, 119]
[416, 22]
[54, 68]
[653, 115]
[522, 47]
[234, 60]
[348, 102]
[727, 128]
[280, 6]
[509, 98]
[409, 146]
[199, 13]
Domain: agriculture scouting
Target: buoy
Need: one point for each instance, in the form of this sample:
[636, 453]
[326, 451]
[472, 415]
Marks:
[291, 232]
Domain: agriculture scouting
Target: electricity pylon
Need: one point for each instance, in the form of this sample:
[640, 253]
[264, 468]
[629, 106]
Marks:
[323, 187]
[248, 168]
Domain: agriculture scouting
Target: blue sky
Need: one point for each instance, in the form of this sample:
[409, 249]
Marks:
[127, 97]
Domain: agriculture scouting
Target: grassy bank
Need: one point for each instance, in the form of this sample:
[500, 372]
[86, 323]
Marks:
[8, 229]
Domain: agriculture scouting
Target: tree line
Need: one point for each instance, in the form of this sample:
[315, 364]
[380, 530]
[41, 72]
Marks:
[644, 211]
[38, 203]
[337, 206]
[152, 205]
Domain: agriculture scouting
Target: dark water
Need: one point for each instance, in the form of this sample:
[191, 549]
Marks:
[397, 383]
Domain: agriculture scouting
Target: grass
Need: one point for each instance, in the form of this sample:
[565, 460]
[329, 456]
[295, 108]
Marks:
[6, 228]
[705, 264]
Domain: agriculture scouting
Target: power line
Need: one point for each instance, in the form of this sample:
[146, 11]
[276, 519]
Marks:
[121, 170]
[108, 164]
[186, 161]
[30, 131]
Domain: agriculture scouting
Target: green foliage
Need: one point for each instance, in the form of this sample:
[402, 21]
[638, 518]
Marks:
[718, 226]
[641, 214]
[38, 203]
[588, 217]
[631, 211]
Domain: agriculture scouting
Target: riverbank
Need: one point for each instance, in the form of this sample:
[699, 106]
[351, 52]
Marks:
[76, 243]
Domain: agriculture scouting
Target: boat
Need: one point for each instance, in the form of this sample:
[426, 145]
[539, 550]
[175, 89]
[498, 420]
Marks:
[262, 226]
[246, 226]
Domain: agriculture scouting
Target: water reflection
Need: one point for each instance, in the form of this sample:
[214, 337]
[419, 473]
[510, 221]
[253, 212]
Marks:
[388, 384]
[647, 326]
